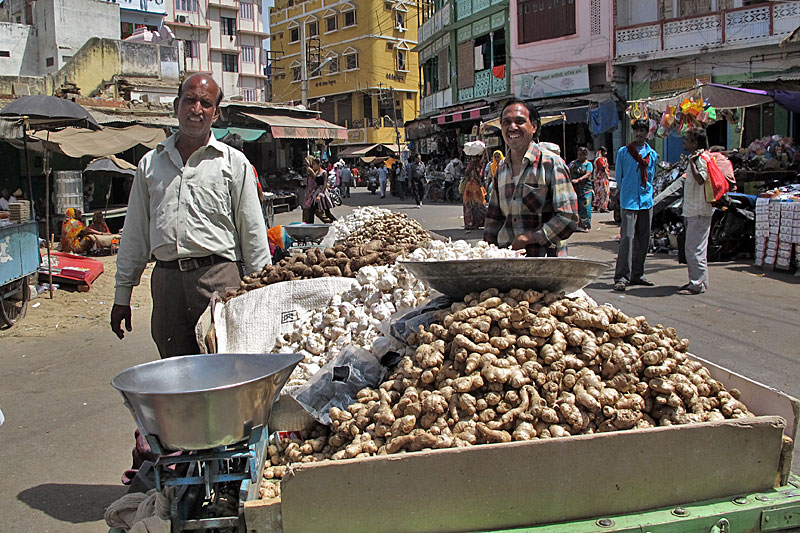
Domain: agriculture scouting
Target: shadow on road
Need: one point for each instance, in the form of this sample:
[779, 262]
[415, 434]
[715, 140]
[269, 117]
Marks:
[72, 503]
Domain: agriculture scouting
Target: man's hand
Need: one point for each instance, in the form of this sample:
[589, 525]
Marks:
[521, 241]
[118, 314]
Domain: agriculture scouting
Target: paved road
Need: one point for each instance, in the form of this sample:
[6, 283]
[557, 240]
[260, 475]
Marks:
[67, 435]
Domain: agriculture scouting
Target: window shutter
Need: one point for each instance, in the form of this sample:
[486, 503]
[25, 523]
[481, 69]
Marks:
[444, 69]
[466, 65]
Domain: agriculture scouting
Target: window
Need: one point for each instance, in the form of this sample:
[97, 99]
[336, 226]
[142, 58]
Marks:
[296, 75]
[294, 35]
[399, 20]
[248, 54]
[350, 18]
[5, 53]
[366, 103]
[186, 5]
[246, 10]
[228, 25]
[191, 49]
[126, 29]
[401, 60]
[312, 29]
[230, 63]
[351, 61]
[330, 23]
[545, 19]
[49, 61]
[249, 95]
[333, 66]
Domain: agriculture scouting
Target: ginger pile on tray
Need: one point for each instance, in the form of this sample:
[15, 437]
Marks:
[391, 228]
[340, 260]
[502, 367]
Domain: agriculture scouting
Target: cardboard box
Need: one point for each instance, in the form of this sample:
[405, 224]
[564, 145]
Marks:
[496, 486]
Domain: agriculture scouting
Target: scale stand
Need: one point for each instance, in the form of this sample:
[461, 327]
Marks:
[217, 482]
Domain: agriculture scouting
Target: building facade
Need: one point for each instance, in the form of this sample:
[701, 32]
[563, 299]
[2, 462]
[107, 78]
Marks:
[463, 55]
[350, 60]
[223, 38]
[135, 14]
[664, 46]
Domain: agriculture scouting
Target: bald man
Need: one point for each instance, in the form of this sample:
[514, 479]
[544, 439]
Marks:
[194, 208]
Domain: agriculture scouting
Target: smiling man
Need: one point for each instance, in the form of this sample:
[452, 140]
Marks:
[534, 207]
[194, 208]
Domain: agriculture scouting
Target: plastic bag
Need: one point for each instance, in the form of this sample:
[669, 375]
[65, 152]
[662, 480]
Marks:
[717, 184]
[338, 382]
[403, 326]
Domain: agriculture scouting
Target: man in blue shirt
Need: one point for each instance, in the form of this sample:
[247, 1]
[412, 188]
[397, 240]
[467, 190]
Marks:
[636, 166]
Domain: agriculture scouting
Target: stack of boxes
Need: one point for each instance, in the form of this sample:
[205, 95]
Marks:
[777, 231]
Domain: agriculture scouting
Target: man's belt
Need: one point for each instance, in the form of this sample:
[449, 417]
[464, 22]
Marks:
[188, 264]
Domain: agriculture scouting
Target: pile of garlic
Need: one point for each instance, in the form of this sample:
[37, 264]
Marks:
[357, 220]
[442, 251]
[352, 318]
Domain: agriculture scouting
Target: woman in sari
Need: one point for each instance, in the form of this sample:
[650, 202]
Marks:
[601, 187]
[317, 200]
[491, 171]
[474, 195]
[73, 233]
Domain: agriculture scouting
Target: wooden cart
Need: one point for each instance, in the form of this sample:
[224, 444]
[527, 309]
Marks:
[19, 257]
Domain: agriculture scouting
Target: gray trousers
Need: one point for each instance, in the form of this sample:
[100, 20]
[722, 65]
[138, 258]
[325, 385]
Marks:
[179, 298]
[634, 241]
[696, 248]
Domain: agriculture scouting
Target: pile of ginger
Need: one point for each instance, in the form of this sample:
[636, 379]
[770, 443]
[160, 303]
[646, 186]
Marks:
[502, 367]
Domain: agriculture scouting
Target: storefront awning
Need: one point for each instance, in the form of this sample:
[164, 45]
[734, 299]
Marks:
[356, 151]
[246, 134]
[283, 127]
[75, 142]
[495, 122]
[458, 116]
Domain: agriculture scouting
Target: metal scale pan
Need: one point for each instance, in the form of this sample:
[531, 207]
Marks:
[457, 278]
[307, 234]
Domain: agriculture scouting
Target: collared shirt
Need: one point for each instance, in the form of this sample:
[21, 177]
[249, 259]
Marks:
[383, 174]
[629, 182]
[694, 194]
[542, 204]
[209, 205]
[345, 175]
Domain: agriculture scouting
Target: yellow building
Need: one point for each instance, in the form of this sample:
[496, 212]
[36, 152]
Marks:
[358, 63]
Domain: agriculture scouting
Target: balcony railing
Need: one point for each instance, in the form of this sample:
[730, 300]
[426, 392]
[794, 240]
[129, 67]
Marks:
[465, 8]
[436, 101]
[764, 24]
[440, 20]
[485, 85]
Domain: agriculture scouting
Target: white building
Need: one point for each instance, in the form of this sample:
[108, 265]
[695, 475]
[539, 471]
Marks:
[223, 38]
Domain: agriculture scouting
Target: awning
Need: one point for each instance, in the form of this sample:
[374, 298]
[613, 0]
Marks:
[110, 164]
[246, 134]
[458, 116]
[719, 96]
[74, 142]
[355, 151]
[283, 127]
[396, 148]
[543, 121]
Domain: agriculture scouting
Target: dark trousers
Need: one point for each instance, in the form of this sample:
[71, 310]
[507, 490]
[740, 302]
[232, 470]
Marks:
[416, 190]
[179, 298]
[634, 241]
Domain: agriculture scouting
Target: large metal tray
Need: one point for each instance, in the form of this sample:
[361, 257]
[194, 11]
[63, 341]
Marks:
[457, 278]
[196, 402]
[307, 232]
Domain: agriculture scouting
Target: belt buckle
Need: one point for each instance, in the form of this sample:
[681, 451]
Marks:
[187, 264]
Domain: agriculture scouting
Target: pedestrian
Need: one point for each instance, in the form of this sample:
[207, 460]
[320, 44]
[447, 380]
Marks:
[601, 185]
[5, 199]
[636, 167]
[416, 179]
[581, 171]
[356, 176]
[383, 176]
[346, 176]
[319, 203]
[393, 179]
[474, 195]
[542, 218]
[490, 172]
[194, 207]
[697, 212]
[401, 180]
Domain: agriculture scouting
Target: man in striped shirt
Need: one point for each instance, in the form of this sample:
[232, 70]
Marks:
[534, 206]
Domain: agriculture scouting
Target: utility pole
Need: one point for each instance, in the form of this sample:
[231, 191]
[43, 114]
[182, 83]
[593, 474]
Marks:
[394, 120]
[303, 66]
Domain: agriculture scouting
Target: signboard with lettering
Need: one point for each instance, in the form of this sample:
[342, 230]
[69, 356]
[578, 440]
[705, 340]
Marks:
[677, 84]
[158, 7]
[544, 83]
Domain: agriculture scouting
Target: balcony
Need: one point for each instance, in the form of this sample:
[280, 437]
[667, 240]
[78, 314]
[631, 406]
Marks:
[439, 21]
[466, 8]
[735, 28]
[485, 85]
[436, 101]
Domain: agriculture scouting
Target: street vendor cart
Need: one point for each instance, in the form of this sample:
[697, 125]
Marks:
[19, 257]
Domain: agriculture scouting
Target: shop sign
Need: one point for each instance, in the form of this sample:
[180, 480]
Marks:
[396, 77]
[150, 6]
[677, 84]
[544, 83]
[354, 135]
[324, 83]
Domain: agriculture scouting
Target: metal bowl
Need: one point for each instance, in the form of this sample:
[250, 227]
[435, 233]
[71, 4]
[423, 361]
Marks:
[457, 278]
[197, 402]
[307, 232]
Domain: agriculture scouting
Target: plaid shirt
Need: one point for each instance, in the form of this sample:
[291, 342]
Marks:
[542, 204]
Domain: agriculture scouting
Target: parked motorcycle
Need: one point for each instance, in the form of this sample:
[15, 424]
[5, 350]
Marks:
[372, 183]
[442, 188]
[334, 191]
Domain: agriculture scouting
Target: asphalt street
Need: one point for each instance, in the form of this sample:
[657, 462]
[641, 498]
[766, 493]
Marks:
[67, 436]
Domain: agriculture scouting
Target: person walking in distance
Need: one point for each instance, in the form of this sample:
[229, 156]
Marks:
[636, 167]
[416, 179]
[346, 177]
[540, 219]
[581, 174]
[697, 212]
[194, 207]
[383, 177]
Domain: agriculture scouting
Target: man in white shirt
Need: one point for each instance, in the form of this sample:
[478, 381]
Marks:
[194, 207]
[383, 176]
[5, 199]
[697, 212]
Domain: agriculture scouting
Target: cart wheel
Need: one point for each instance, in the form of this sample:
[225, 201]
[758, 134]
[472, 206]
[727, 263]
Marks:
[14, 301]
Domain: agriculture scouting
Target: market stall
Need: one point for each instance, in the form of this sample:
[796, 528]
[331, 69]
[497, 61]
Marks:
[434, 382]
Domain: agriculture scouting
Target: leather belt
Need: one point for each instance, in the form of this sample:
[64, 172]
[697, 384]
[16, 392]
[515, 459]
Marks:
[187, 264]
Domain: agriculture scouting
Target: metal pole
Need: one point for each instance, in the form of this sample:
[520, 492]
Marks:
[303, 66]
[47, 214]
[28, 165]
[394, 119]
